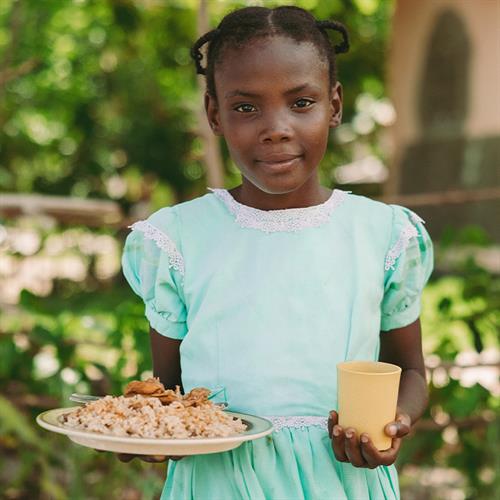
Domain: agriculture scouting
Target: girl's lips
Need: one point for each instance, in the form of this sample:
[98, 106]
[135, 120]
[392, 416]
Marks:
[279, 166]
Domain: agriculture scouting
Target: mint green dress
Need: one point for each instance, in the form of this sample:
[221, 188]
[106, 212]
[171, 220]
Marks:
[266, 304]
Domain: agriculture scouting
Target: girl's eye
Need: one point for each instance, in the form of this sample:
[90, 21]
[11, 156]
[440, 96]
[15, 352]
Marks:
[245, 108]
[305, 100]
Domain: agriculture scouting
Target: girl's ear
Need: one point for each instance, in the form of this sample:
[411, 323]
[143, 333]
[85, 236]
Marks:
[336, 105]
[212, 111]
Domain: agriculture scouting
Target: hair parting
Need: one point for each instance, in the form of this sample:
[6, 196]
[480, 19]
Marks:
[242, 26]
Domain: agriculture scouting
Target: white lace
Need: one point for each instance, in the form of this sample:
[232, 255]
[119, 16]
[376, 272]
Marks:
[163, 242]
[289, 219]
[298, 422]
[409, 231]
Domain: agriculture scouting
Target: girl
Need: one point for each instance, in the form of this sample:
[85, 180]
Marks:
[264, 288]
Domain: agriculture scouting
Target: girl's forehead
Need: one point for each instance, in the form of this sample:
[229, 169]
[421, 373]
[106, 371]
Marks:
[280, 61]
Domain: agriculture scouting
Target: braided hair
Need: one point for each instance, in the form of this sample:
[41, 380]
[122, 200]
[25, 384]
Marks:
[242, 25]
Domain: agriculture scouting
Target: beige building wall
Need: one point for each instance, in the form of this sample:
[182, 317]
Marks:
[413, 22]
[452, 144]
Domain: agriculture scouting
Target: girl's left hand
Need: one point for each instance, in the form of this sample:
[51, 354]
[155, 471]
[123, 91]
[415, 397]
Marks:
[361, 452]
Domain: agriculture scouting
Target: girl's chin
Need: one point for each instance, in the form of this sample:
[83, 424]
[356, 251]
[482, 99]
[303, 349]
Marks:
[277, 184]
[278, 187]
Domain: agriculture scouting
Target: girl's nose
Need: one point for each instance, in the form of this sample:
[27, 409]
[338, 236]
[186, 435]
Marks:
[276, 129]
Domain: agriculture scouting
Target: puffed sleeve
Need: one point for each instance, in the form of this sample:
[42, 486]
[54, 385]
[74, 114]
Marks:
[408, 265]
[154, 268]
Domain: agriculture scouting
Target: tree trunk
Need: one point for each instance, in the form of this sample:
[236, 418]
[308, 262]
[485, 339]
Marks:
[211, 151]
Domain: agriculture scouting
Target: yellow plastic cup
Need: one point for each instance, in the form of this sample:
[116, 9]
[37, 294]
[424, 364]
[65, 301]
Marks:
[367, 398]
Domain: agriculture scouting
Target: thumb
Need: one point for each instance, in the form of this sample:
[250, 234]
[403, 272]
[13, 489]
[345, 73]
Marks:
[397, 429]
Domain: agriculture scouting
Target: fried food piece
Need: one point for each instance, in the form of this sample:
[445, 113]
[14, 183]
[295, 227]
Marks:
[169, 396]
[196, 397]
[152, 387]
[148, 387]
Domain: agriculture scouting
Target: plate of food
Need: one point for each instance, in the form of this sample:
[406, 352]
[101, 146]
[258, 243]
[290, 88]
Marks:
[149, 420]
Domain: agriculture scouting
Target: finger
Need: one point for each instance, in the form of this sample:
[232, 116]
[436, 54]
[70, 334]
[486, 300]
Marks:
[403, 418]
[397, 429]
[394, 449]
[388, 457]
[333, 419]
[370, 454]
[352, 449]
[154, 459]
[176, 458]
[338, 443]
[125, 457]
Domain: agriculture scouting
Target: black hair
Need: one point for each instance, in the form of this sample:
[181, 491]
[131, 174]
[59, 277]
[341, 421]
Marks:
[243, 25]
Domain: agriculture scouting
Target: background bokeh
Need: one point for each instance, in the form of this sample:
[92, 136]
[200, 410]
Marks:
[101, 124]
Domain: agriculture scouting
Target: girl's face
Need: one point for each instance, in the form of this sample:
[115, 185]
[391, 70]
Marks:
[274, 108]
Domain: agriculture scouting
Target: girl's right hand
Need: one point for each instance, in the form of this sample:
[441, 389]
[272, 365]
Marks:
[155, 459]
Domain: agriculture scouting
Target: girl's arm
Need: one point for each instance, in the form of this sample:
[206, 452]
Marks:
[402, 347]
[166, 359]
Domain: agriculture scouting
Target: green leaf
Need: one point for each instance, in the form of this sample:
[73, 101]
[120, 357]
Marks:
[12, 421]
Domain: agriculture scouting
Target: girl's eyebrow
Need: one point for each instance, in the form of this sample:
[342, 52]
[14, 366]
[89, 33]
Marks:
[243, 93]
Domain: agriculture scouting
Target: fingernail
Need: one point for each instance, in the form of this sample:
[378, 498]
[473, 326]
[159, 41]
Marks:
[336, 431]
[364, 439]
[393, 429]
[349, 434]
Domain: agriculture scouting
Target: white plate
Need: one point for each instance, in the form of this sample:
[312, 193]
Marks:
[257, 427]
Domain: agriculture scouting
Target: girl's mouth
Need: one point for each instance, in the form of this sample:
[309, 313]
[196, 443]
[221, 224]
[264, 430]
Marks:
[280, 166]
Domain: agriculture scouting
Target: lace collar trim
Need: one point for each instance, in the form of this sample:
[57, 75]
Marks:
[289, 219]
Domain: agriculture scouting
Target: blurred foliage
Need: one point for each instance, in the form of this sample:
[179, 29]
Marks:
[109, 109]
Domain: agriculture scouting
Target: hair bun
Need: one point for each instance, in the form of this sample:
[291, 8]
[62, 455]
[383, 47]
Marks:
[342, 47]
[195, 52]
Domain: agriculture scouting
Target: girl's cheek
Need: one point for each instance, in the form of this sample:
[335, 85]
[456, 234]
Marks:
[246, 135]
[313, 123]
[242, 135]
[314, 126]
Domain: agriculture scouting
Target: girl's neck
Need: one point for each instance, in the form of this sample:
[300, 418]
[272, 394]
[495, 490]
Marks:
[308, 195]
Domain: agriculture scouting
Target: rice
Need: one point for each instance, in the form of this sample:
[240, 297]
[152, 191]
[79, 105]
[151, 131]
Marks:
[147, 417]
